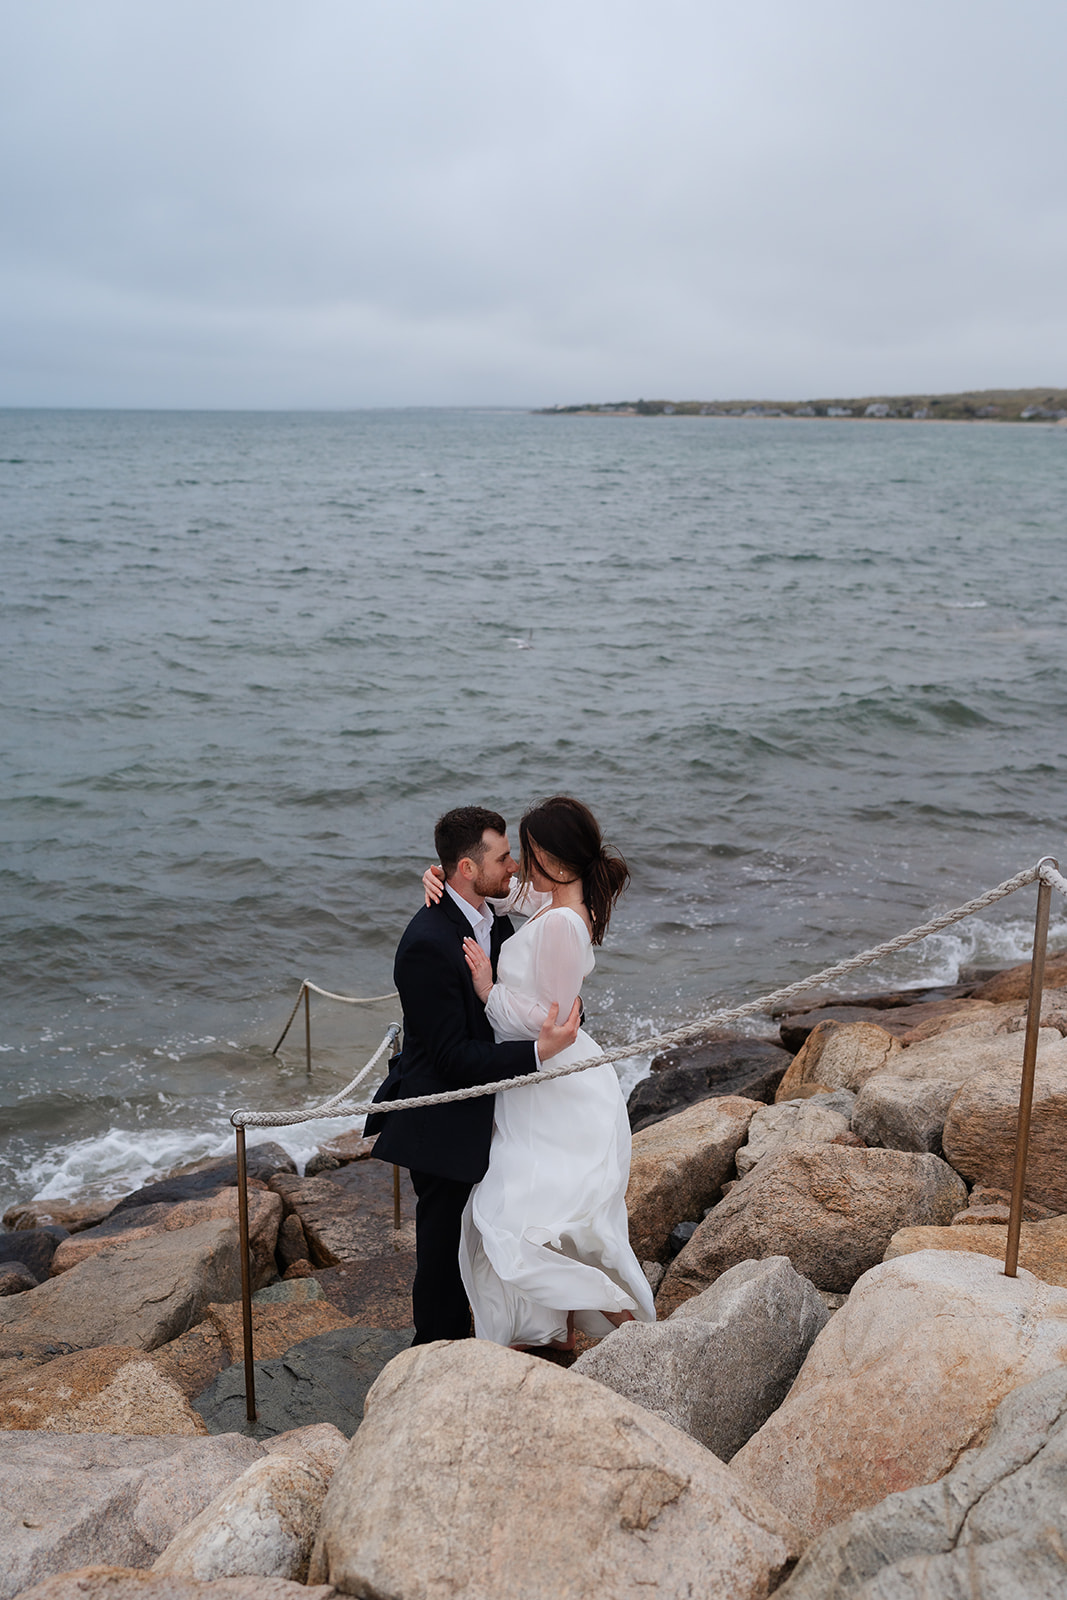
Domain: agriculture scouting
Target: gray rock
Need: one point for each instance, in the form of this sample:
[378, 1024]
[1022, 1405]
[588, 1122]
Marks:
[264, 1522]
[749, 1067]
[292, 1292]
[994, 1526]
[69, 1500]
[324, 1379]
[903, 1113]
[34, 1247]
[794, 1122]
[140, 1294]
[347, 1215]
[724, 1361]
[15, 1278]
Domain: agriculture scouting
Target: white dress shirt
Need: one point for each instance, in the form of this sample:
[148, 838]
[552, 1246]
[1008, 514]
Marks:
[481, 921]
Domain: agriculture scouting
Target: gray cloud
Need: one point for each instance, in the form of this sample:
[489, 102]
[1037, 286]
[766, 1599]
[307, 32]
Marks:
[345, 204]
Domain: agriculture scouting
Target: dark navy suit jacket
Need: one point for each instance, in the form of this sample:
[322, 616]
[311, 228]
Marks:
[448, 1044]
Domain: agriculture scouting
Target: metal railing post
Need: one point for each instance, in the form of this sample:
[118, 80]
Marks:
[246, 1274]
[307, 1026]
[1026, 1087]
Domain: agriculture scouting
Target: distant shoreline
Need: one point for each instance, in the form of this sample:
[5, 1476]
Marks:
[981, 405]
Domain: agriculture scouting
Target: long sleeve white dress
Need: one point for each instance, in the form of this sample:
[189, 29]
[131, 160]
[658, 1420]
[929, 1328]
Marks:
[545, 1231]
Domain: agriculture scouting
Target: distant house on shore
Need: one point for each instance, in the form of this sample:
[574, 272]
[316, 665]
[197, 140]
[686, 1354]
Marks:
[877, 409]
[839, 411]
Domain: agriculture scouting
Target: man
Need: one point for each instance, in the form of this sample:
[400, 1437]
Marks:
[448, 1044]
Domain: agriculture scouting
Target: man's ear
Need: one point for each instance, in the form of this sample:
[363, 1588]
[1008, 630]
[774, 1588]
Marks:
[466, 868]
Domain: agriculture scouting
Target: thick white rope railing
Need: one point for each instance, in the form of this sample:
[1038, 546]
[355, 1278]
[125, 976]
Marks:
[1045, 870]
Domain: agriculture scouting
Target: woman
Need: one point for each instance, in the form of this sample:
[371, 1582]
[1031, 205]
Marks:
[545, 1247]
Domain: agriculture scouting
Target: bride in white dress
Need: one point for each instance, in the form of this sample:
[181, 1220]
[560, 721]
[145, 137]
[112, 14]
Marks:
[545, 1246]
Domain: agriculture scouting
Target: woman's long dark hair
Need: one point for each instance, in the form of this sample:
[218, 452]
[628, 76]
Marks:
[562, 827]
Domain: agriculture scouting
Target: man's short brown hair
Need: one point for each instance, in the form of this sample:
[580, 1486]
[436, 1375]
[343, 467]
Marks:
[460, 833]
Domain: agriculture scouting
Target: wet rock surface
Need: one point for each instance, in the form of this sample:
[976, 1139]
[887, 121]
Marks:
[324, 1379]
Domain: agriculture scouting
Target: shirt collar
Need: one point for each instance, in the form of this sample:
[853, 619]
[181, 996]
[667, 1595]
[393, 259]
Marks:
[476, 918]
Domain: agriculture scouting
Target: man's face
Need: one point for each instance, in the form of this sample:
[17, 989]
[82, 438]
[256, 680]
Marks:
[497, 866]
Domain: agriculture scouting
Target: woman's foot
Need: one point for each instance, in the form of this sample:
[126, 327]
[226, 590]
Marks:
[617, 1318]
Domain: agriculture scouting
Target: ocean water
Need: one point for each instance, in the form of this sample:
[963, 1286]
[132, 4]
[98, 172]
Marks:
[812, 676]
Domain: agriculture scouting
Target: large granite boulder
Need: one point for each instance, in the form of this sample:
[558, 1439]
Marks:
[678, 1168]
[752, 1068]
[980, 1128]
[138, 1293]
[264, 1522]
[1042, 1245]
[902, 1379]
[323, 1379]
[994, 1526]
[905, 1107]
[69, 1500]
[532, 1482]
[724, 1361]
[347, 1214]
[831, 1209]
[142, 1222]
[838, 1056]
[108, 1390]
[794, 1122]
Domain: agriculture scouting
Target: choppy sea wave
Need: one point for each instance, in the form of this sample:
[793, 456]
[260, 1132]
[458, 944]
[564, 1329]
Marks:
[811, 677]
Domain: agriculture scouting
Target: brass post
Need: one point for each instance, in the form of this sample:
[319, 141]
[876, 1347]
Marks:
[1026, 1088]
[246, 1275]
[307, 1025]
[396, 1197]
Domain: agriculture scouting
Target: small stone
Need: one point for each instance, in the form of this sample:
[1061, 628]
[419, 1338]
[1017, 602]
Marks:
[680, 1236]
[15, 1278]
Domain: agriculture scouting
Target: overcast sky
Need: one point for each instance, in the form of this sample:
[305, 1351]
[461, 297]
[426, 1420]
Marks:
[334, 203]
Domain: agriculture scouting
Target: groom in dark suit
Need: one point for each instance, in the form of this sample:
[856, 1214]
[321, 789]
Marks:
[448, 1044]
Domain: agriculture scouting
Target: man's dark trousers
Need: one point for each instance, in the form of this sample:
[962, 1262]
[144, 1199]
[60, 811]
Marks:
[438, 1298]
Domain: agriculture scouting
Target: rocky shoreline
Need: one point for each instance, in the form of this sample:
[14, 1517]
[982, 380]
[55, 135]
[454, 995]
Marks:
[844, 1395]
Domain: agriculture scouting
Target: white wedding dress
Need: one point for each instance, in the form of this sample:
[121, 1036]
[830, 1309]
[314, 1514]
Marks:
[545, 1231]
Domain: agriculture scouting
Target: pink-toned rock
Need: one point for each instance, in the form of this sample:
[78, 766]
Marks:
[980, 1128]
[139, 1293]
[1014, 982]
[1042, 1245]
[902, 1379]
[350, 1146]
[839, 1056]
[107, 1390]
[264, 1220]
[679, 1165]
[534, 1482]
[832, 1209]
[133, 1583]
[74, 1215]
